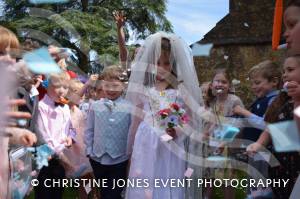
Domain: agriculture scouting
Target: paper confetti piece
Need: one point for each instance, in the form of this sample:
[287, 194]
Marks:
[21, 122]
[285, 136]
[246, 24]
[282, 46]
[201, 49]
[188, 173]
[297, 111]
[33, 91]
[166, 138]
[236, 82]
[148, 194]
[33, 173]
[136, 173]
[217, 158]
[40, 62]
[227, 132]
[88, 188]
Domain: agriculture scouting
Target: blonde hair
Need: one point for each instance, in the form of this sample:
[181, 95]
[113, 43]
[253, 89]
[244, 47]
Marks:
[75, 85]
[267, 69]
[8, 39]
[112, 72]
[59, 79]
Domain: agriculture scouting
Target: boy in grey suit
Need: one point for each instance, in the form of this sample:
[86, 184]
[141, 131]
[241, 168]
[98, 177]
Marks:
[106, 134]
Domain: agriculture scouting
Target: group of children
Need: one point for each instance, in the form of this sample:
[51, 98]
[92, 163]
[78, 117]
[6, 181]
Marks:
[277, 96]
[105, 128]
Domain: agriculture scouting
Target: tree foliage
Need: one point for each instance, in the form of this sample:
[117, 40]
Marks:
[84, 25]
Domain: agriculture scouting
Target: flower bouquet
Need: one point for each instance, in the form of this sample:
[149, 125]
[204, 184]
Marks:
[172, 117]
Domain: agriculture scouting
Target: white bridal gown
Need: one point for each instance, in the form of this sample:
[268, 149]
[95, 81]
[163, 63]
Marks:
[153, 158]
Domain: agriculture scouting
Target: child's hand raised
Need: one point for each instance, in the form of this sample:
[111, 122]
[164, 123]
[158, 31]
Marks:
[119, 18]
[92, 80]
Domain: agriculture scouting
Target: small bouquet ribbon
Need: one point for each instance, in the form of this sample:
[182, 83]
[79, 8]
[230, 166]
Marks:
[172, 117]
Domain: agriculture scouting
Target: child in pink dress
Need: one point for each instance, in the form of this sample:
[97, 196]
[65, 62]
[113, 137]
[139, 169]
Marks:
[76, 153]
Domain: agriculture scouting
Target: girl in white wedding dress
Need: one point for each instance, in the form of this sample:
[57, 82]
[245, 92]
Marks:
[163, 73]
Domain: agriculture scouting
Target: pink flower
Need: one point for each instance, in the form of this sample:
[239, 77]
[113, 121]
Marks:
[185, 119]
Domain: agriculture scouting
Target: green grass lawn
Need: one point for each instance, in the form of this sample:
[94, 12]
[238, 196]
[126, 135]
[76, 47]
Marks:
[240, 193]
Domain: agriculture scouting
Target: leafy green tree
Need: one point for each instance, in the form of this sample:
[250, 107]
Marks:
[84, 25]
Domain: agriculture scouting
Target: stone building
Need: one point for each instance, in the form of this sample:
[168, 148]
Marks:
[240, 40]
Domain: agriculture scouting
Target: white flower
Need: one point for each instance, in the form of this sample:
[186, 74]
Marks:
[181, 111]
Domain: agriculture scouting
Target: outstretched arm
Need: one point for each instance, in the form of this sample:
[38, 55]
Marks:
[263, 140]
[91, 82]
[251, 119]
[120, 21]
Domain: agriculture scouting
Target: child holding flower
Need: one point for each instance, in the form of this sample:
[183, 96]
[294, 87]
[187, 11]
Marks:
[163, 82]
